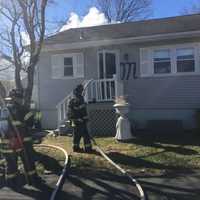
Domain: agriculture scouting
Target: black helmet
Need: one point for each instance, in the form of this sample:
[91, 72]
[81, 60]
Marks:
[16, 93]
[78, 90]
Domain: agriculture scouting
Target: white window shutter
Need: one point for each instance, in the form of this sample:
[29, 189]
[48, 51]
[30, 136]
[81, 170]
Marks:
[146, 67]
[197, 58]
[78, 61]
[57, 63]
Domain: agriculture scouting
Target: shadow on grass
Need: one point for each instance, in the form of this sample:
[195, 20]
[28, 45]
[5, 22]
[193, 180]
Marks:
[169, 192]
[41, 190]
[139, 162]
[38, 192]
[49, 163]
[102, 185]
[92, 182]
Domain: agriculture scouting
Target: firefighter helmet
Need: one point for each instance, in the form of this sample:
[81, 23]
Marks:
[16, 93]
[78, 90]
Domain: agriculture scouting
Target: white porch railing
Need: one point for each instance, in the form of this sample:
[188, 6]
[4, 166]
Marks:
[101, 90]
[62, 106]
[94, 91]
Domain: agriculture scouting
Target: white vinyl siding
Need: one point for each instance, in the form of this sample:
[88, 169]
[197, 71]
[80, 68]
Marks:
[67, 66]
[170, 60]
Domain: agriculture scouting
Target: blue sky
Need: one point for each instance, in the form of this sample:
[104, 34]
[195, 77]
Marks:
[166, 8]
[161, 8]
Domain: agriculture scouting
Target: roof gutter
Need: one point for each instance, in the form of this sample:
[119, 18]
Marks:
[150, 38]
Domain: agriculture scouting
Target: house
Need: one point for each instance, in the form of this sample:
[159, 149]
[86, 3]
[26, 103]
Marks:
[154, 63]
[6, 73]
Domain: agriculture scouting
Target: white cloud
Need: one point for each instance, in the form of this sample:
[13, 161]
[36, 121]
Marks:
[93, 18]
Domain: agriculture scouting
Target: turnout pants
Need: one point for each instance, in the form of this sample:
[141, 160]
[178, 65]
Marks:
[28, 154]
[11, 156]
[11, 170]
[12, 167]
[81, 131]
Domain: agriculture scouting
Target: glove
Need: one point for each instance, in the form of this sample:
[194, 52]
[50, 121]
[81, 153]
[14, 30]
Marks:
[73, 124]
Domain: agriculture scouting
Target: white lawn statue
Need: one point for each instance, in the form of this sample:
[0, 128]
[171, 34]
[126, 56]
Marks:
[123, 126]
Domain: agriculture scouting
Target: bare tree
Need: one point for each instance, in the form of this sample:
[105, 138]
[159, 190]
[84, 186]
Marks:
[125, 10]
[20, 18]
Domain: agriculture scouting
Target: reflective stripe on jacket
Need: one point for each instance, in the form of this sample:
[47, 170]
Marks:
[27, 139]
[28, 115]
[17, 123]
[38, 116]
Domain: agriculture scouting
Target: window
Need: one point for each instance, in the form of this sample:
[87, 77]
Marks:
[162, 63]
[185, 60]
[167, 60]
[68, 66]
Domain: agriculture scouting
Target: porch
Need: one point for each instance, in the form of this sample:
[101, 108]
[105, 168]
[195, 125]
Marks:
[99, 96]
[99, 92]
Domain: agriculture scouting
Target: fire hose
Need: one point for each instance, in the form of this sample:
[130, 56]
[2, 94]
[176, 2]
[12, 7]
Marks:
[67, 164]
[64, 171]
[124, 172]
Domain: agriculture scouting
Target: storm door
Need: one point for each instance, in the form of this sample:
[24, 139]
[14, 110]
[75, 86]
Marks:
[107, 68]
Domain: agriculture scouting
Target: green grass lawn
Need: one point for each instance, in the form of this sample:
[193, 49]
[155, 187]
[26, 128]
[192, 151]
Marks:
[148, 155]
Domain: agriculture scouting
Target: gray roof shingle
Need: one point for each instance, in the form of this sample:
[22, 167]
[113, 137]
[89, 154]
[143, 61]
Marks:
[129, 29]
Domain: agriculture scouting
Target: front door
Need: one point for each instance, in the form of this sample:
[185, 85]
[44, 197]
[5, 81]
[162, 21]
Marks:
[107, 62]
[107, 68]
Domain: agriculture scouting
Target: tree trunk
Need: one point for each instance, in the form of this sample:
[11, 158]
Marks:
[18, 78]
[29, 88]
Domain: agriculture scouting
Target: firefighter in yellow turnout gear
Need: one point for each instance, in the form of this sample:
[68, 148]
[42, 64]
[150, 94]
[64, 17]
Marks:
[77, 115]
[17, 141]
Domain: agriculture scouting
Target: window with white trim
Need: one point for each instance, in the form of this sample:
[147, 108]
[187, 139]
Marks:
[66, 66]
[185, 60]
[170, 60]
[162, 61]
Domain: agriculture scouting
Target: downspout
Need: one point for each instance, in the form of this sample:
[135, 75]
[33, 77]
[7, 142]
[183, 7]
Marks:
[119, 82]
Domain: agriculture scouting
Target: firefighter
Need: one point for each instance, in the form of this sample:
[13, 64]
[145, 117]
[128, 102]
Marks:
[77, 115]
[37, 120]
[6, 153]
[17, 140]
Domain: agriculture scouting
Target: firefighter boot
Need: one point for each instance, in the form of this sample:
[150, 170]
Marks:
[12, 182]
[77, 149]
[36, 180]
[88, 149]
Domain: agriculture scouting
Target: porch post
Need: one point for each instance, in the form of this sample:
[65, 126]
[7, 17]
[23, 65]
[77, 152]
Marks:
[119, 84]
[119, 87]
[59, 114]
